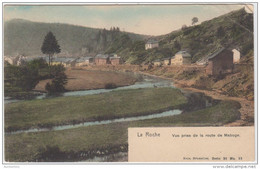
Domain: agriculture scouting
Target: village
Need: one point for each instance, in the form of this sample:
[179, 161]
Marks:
[221, 61]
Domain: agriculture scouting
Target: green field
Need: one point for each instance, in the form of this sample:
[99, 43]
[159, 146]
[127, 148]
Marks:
[28, 146]
[71, 110]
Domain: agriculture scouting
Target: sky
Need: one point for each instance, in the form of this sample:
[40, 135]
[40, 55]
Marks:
[141, 19]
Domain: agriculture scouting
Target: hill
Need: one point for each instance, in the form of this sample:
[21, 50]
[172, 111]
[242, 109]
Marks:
[26, 37]
[234, 29]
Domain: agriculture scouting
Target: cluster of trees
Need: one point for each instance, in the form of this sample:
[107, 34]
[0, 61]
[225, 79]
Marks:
[24, 78]
[104, 38]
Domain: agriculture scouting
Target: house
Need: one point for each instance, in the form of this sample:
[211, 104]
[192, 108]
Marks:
[84, 61]
[151, 44]
[157, 62]
[167, 61]
[101, 59]
[236, 56]
[10, 60]
[181, 58]
[66, 62]
[220, 62]
[13, 60]
[115, 60]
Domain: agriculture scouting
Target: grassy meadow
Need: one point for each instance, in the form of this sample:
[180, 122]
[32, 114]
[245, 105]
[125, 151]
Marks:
[76, 109]
[108, 138]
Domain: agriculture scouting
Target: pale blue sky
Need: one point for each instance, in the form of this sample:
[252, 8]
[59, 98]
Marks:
[143, 19]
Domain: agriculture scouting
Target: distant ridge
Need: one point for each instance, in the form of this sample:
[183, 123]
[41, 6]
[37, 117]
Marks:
[26, 37]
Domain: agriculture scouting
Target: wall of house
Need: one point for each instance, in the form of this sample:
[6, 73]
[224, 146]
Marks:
[177, 60]
[167, 62]
[236, 56]
[150, 46]
[101, 61]
[115, 61]
[220, 64]
[83, 63]
[209, 68]
[157, 63]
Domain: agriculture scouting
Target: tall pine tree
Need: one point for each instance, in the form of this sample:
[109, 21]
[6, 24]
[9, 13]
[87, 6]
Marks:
[50, 46]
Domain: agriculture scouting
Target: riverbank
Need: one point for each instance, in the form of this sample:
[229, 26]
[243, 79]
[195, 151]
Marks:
[246, 110]
[85, 142]
[80, 79]
[192, 78]
[46, 113]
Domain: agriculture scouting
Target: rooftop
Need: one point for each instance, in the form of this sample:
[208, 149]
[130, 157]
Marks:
[216, 53]
[184, 53]
[101, 56]
[151, 41]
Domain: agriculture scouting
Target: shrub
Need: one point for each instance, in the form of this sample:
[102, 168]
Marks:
[57, 84]
[51, 154]
[110, 86]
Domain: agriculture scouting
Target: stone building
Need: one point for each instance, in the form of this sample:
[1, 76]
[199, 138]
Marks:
[157, 62]
[167, 61]
[115, 60]
[220, 62]
[181, 58]
[101, 59]
[151, 44]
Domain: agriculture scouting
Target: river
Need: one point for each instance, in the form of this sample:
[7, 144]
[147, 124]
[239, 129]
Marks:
[146, 82]
[197, 99]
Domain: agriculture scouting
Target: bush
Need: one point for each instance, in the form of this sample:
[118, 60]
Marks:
[24, 77]
[51, 154]
[57, 84]
[110, 86]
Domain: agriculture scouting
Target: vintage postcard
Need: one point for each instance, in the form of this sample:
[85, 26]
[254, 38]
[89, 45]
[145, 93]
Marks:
[127, 83]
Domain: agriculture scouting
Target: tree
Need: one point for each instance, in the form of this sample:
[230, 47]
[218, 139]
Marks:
[50, 46]
[220, 32]
[194, 20]
[57, 84]
[183, 27]
[177, 45]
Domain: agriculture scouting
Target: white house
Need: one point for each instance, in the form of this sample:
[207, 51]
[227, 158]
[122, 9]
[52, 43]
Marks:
[181, 58]
[236, 56]
[151, 44]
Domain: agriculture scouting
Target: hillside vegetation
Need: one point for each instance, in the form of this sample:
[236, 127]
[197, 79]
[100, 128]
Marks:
[230, 30]
[25, 37]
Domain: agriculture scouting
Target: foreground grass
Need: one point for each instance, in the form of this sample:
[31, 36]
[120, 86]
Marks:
[71, 110]
[28, 146]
